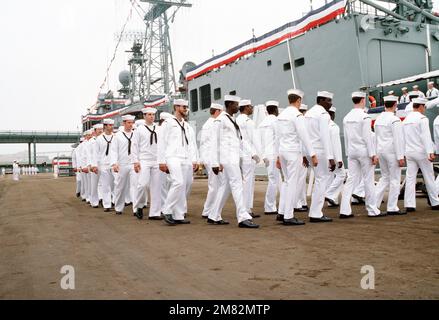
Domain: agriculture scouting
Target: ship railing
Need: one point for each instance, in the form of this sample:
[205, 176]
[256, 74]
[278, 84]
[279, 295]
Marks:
[357, 6]
[40, 133]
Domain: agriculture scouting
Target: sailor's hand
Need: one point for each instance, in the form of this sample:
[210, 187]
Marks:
[256, 159]
[432, 157]
[216, 170]
[332, 165]
[164, 168]
[85, 170]
[137, 167]
[195, 167]
[278, 164]
[221, 168]
[305, 162]
[94, 170]
[401, 163]
[115, 168]
[340, 164]
[375, 160]
[315, 161]
[266, 162]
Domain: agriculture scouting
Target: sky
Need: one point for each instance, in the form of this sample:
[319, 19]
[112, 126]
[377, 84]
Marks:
[55, 53]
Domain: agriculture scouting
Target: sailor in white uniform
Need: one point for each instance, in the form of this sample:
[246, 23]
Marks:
[419, 92]
[292, 144]
[206, 159]
[267, 133]
[177, 157]
[164, 177]
[432, 92]
[85, 171]
[302, 201]
[144, 158]
[75, 160]
[420, 154]
[15, 171]
[405, 96]
[339, 177]
[317, 124]
[102, 163]
[390, 149]
[250, 156]
[120, 158]
[94, 174]
[362, 157]
[227, 148]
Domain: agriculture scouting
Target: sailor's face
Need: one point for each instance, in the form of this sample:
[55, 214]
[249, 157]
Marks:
[234, 107]
[109, 128]
[98, 132]
[327, 103]
[149, 118]
[183, 110]
[128, 125]
[250, 110]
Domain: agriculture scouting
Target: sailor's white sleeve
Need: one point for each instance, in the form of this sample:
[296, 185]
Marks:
[114, 151]
[135, 148]
[204, 152]
[193, 146]
[95, 154]
[398, 136]
[303, 135]
[426, 136]
[161, 145]
[215, 143]
[74, 162]
[276, 138]
[263, 137]
[436, 135]
[325, 136]
[254, 137]
[336, 143]
[368, 136]
[433, 103]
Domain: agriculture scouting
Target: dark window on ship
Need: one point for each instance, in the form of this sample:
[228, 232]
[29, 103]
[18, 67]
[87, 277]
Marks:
[194, 100]
[287, 66]
[217, 94]
[269, 63]
[205, 97]
[233, 93]
[299, 62]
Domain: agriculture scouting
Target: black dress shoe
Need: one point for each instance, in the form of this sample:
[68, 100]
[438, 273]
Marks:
[107, 210]
[410, 209]
[97, 207]
[139, 214]
[435, 208]
[78, 195]
[101, 204]
[169, 220]
[182, 221]
[254, 215]
[300, 210]
[83, 200]
[332, 203]
[293, 222]
[271, 213]
[396, 213]
[359, 199]
[381, 215]
[344, 217]
[305, 207]
[128, 204]
[320, 220]
[248, 224]
[280, 218]
[218, 223]
[155, 218]
[205, 217]
[119, 213]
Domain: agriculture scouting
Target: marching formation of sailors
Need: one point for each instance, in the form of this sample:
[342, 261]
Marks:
[144, 163]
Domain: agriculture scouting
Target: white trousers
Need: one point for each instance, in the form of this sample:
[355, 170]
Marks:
[301, 192]
[390, 180]
[122, 186]
[290, 188]
[94, 196]
[149, 183]
[361, 167]
[272, 188]
[106, 180]
[414, 163]
[322, 176]
[213, 187]
[85, 186]
[78, 182]
[176, 201]
[336, 184]
[164, 187]
[230, 181]
[248, 180]
[16, 176]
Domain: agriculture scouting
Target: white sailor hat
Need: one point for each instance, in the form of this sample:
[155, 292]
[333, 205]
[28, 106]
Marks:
[419, 101]
[245, 102]
[108, 122]
[231, 98]
[140, 123]
[413, 94]
[98, 126]
[128, 118]
[272, 103]
[358, 94]
[181, 102]
[333, 109]
[391, 93]
[82, 139]
[165, 115]
[87, 133]
[416, 87]
[325, 94]
[149, 110]
[296, 92]
[391, 99]
[405, 89]
[216, 106]
[303, 107]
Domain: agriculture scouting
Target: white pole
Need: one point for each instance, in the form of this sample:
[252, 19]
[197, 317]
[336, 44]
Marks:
[291, 63]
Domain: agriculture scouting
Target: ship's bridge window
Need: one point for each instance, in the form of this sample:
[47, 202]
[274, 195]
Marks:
[217, 94]
[232, 93]
[205, 97]
[194, 100]
[287, 66]
[269, 63]
[299, 62]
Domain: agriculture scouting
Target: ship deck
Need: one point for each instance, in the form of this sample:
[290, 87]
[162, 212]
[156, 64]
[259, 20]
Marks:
[44, 227]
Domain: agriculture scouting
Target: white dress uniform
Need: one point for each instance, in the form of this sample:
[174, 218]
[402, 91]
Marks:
[227, 147]
[390, 149]
[360, 148]
[421, 94]
[121, 155]
[75, 159]
[85, 181]
[15, 171]
[145, 142]
[317, 124]
[267, 131]
[94, 178]
[418, 147]
[193, 150]
[337, 180]
[206, 158]
[248, 165]
[432, 93]
[292, 144]
[175, 149]
[436, 143]
[102, 160]
[404, 98]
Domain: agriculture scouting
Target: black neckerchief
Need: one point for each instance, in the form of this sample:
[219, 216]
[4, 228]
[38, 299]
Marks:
[183, 130]
[153, 135]
[238, 130]
[129, 142]
[108, 144]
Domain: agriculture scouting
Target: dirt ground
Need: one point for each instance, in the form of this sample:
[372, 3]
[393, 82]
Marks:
[44, 227]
